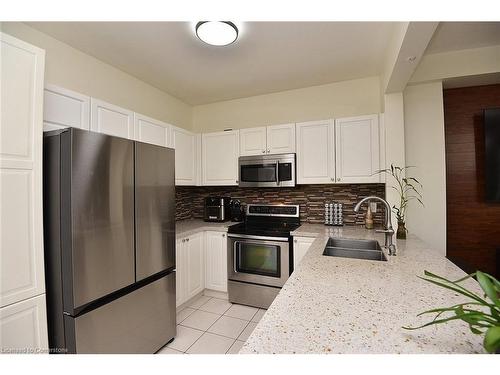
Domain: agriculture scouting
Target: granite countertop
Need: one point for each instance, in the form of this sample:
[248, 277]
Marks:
[185, 228]
[341, 305]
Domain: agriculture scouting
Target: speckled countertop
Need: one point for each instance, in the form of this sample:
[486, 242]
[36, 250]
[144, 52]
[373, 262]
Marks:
[340, 305]
[185, 228]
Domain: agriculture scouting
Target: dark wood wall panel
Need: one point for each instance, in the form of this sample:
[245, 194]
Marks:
[473, 225]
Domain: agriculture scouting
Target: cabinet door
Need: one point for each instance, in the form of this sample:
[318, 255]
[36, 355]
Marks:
[216, 261]
[357, 149]
[253, 141]
[21, 230]
[300, 247]
[220, 152]
[281, 139]
[63, 108]
[24, 325]
[315, 152]
[110, 119]
[151, 131]
[184, 143]
[195, 265]
[180, 272]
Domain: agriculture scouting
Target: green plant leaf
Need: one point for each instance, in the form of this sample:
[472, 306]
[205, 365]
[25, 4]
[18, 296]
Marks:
[487, 287]
[492, 339]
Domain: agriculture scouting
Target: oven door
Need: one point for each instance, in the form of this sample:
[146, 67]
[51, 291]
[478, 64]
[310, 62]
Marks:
[259, 260]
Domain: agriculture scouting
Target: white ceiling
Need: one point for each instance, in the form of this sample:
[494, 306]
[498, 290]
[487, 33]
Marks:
[452, 36]
[268, 56]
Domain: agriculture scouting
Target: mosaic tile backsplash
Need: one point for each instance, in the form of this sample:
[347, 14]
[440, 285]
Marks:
[311, 198]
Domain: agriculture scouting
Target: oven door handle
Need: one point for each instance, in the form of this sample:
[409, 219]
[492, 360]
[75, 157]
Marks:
[277, 172]
[253, 237]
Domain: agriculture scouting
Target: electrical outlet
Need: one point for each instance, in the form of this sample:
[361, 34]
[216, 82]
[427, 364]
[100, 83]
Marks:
[373, 206]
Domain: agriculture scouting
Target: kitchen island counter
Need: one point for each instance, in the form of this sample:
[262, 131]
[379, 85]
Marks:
[342, 305]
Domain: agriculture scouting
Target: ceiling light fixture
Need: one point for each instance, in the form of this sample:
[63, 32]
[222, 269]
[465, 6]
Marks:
[217, 33]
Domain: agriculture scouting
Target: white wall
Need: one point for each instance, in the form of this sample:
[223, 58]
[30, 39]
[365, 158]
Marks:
[425, 149]
[70, 68]
[339, 99]
[394, 143]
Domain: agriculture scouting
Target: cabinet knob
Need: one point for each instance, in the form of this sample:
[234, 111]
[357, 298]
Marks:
[263, 151]
[187, 239]
[295, 241]
[338, 179]
[223, 235]
[332, 179]
[268, 151]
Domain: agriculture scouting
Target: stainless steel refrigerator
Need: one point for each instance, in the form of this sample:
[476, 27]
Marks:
[109, 236]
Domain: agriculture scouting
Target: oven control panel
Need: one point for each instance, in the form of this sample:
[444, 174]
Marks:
[273, 210]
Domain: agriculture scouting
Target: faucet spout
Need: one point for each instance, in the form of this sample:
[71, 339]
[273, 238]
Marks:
[388, 230]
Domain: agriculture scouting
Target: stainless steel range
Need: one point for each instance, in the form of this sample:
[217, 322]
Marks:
[260, 253]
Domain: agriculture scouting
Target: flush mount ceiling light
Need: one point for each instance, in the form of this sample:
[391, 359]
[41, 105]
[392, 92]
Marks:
[217, 33]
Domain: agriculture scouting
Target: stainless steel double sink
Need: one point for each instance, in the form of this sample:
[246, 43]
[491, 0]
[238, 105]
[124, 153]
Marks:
[352, 248]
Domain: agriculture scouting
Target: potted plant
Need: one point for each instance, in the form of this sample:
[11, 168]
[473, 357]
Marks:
[481, 313]
[408, 190]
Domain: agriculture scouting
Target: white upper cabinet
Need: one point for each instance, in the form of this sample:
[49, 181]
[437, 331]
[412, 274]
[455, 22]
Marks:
[151, 131]
[281, 139]
[21, 123]
[357, 149]
[63, 108]
[276, 139]
[110, 119]
[315, 152]
[253, 141]
[186, 145]
[220, 152]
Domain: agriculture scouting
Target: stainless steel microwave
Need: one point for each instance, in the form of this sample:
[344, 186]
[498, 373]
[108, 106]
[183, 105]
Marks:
[267, 170]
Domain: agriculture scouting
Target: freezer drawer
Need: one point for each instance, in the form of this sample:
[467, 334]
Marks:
[140, 322]
[154, 209]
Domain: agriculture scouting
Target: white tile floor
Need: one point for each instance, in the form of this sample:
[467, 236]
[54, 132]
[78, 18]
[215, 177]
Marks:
[213, 326]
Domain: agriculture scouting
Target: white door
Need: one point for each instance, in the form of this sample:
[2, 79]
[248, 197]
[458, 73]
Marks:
[216, 261]
[180, 271]
[281, 139]
[63, 108]
[110, 119]
[151, 131]
[357, 149]
[253, 141]
[23, 326]
[195, 265]
[300, 247]
[315, 152]
[220, 152]
[21, 238]
[184, 143]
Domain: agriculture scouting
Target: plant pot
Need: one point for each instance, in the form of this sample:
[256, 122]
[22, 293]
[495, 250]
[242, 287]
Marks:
[401, 233]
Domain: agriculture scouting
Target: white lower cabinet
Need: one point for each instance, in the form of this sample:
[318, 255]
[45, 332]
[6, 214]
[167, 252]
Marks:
[23, 326]
[216, 261]
[190, 270]
[300, 247]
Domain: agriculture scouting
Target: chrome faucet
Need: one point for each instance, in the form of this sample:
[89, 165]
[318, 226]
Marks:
[388, 230]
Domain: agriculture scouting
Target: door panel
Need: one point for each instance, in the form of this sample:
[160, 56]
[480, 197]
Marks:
[102, 196]
[357, 149]
[195, 265]
[151, 131]
[155, 209]
[281, 139]
[253, 141]
[220, 153]
[315, 152]
[184, 143]
[110, 119]
[140, 322]
[216, 261]
[65, 108]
